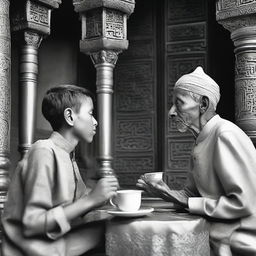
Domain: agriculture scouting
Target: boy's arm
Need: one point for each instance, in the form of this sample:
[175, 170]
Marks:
[40, 216]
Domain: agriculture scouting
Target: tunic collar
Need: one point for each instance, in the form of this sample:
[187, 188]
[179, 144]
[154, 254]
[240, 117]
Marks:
[61, 142]
[207, 128]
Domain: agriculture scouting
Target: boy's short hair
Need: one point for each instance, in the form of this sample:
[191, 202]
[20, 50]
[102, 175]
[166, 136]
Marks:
[58, 98]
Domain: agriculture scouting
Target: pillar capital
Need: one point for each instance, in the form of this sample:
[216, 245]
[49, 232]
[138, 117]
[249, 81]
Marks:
[104, 24]
[238, 16]
[234, 15]
[33, 15]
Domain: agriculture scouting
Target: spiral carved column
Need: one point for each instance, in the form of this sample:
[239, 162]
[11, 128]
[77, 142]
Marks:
[30, 24]
[5, 101]
[239, 18]
[103, 38]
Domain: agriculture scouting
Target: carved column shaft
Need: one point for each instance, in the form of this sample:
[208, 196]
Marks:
[245, 79]
[30, 23]
[104, 62]
[103, 38]
[239, 18]
[28, 90]
[5, 100]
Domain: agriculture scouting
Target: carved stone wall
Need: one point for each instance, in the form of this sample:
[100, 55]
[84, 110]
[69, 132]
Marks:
[135, 99]
[186, 48]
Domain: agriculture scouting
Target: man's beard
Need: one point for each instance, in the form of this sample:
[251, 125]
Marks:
[182, 126]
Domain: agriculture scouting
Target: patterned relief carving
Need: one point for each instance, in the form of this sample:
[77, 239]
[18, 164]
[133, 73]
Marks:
[134, 97]
[5, 69]
[185, 10]
[232, 24]
[134, 135]
[245, 93]
[245, 90]
[104, 57]
[128, 179]
[38, 14]
[4, 25]
[179, 152]
[177, 67]
[186, 47]
[190, 31]
[245, 65]
[139, 49]
[32, 38]
[226, 9]
[114, 25]
[134, 164]
[141, 72]
[94, 23]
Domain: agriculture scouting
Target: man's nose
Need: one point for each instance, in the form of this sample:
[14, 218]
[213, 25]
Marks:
[172, 112]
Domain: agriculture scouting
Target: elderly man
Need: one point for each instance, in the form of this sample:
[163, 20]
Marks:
[222, 182]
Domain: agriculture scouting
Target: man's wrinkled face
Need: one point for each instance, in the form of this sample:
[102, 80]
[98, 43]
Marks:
[185, 111]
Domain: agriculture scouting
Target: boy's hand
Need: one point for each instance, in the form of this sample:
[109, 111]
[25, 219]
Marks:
[105, 188]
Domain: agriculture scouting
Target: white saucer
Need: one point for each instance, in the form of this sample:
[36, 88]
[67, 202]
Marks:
[140, 212]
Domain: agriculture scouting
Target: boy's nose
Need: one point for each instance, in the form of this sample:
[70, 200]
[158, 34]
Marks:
[95, 122]
[172, 112]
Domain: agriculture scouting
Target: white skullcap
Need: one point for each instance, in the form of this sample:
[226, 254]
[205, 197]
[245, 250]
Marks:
[200, 83]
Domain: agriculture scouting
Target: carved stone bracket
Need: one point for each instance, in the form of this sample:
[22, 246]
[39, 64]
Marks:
[104, 56]
[239, 18]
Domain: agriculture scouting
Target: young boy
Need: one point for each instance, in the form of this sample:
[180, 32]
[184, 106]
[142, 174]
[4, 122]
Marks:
[47, 196]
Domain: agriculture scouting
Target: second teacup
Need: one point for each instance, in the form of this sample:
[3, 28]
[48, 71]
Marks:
[127, 200]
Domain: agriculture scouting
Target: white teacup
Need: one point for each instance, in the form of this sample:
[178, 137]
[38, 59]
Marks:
[127, 200]
[154, 176]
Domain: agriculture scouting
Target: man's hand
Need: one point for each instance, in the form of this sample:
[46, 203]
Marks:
[161, 189]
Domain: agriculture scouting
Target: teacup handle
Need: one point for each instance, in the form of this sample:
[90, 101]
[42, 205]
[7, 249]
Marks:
[111, 201]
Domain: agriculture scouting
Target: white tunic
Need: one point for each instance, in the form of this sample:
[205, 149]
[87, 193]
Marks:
[223, 186]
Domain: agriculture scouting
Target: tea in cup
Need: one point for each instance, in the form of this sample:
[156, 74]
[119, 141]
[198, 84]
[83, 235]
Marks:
[127, 200]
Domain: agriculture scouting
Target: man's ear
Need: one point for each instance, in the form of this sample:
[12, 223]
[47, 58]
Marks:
[204, 104]
[69, 116]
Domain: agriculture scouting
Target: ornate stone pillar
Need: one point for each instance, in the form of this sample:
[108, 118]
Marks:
[239, 18]
[5, 101]
[30, 23]
[103, 38]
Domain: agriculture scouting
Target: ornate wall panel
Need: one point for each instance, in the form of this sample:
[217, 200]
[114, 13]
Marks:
[186, 48]
[181, 11]
[135, 99]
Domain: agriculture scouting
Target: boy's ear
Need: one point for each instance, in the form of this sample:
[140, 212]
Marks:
[68, 116]
[204, 104]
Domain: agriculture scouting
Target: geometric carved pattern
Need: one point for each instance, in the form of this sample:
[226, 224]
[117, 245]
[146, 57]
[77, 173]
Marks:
[245, 98]
[245, 65]
[184, 64]
[134, 135]
[114, 25]
[134, 97]
[185, 10]
[94, 23]
[191, 31]
[179, 153]
[38, 14]
[138, 72]
[129, 164]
